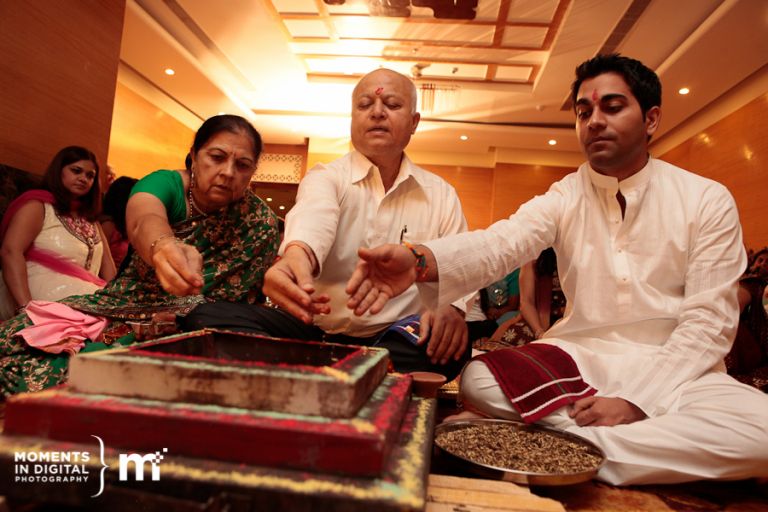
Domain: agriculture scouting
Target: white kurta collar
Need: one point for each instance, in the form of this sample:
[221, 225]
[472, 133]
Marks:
[613, 185]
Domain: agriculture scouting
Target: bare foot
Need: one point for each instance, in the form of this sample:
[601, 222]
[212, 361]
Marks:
[464, 415]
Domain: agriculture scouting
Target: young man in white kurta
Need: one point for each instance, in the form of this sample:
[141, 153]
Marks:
[651, 314]
[649, 257]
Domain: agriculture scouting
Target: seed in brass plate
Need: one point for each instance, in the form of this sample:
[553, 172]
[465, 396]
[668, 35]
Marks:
[504, 446]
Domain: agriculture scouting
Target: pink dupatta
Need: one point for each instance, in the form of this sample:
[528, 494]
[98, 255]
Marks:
[48, 259]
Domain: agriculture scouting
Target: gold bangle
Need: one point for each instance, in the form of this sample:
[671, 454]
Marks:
[153, 245]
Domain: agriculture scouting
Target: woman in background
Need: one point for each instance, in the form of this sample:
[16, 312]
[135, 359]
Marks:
[113, 217]
[542, 303]
[51, 245]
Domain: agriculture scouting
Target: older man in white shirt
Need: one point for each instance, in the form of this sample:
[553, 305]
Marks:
[649, 256]
[371, 196]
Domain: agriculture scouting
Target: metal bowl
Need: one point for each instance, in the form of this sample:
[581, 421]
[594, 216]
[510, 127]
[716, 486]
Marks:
[517, 476]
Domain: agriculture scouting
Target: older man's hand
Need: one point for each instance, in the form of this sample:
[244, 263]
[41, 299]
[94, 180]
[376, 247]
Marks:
[446, 330]
[289, 284]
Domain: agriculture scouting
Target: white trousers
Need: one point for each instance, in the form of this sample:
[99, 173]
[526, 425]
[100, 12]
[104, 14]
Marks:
[717, 430]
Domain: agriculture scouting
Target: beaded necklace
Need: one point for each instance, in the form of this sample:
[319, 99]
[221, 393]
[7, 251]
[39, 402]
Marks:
[193, 207]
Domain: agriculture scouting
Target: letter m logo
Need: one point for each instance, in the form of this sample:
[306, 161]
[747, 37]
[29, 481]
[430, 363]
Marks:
[138, 463]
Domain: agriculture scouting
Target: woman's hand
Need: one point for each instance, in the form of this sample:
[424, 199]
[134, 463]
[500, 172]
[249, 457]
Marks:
[179, 267]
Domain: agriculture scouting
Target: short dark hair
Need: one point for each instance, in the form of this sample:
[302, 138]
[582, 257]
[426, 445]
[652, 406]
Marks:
[225, 122]
[642, 81]
[115, 201]
[89, 203]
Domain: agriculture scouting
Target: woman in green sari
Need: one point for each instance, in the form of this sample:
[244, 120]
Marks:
[197, 234]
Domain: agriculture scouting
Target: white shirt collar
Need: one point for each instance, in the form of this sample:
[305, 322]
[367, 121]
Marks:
[612, 184]
[362, 168]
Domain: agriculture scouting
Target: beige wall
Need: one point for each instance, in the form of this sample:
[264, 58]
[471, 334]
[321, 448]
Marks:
[57, 77]
[734, 151]
[144, 138]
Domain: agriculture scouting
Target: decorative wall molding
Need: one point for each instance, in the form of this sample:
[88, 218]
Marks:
[279, 168]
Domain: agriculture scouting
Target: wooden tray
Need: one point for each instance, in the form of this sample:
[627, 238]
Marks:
[237, 370]
[198, 484]
[353, 446]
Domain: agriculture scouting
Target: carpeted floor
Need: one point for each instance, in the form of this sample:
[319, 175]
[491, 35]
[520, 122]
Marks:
[742, 496]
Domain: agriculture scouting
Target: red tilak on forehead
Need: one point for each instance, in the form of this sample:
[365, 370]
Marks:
[379, 90]
[594, 94]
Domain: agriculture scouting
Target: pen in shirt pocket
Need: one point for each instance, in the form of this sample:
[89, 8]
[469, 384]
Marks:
[403, 232]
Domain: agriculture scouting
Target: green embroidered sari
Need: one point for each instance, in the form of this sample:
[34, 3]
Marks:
[238, 244]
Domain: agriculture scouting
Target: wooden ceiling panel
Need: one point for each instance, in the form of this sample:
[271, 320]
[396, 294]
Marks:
[506, 42]
[524, 37]
[358, 7]
[532, 11]
[487, 10]
[514, 73]
[295, 6]
[307, 28]
[360, 27]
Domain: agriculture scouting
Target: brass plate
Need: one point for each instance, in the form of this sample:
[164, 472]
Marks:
[516, 476]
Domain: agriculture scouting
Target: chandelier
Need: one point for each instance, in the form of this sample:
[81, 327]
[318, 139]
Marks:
[437, 97]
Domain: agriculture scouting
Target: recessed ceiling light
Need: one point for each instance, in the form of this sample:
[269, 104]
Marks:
[281, 207]
[684, 91]
[463, 137]
[551, 142]
[169, 72]
[269, 199]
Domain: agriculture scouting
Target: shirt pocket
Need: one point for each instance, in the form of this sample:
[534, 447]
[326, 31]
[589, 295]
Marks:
[418, 237]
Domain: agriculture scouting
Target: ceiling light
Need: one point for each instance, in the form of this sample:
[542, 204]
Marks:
[281, 207]
[684, 91]
[169, 72]
[463, 137]
[551, 142]
[269, 199]
[221, 113]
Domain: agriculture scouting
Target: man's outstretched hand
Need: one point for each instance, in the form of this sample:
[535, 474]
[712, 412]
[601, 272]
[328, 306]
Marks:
[383, 272]
[290, 285]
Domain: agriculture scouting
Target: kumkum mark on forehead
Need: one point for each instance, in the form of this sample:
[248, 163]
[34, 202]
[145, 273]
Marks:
[594, 95]
[379, 90]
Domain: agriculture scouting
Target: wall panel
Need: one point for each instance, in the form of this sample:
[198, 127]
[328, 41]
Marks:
[474, 186]
[514, 184]
[57, 77]
[734, 151]
[144, 138]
